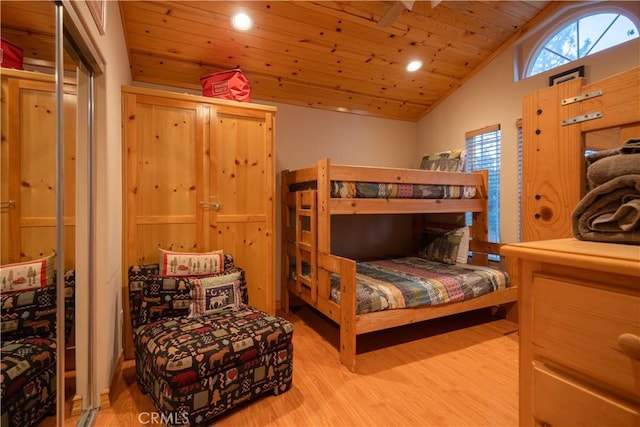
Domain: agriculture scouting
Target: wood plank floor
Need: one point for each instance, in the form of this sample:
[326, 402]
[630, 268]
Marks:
[458, 371]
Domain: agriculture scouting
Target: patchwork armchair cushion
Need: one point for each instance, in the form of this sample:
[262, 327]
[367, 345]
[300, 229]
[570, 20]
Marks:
[28, 390]
[28, 351]
[199, 368]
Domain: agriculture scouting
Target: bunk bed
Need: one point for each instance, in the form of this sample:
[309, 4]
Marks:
[328, 282]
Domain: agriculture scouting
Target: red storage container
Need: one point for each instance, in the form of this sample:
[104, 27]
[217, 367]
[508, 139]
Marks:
[232, 84]
[10, 55]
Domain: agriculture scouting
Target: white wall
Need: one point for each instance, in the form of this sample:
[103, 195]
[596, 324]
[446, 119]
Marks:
[492, 97]
[305, 135]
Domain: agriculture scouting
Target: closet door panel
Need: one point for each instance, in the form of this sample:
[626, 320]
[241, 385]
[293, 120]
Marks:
[245, 240]
[29, 157]
[177, 236]
[164, 178]
[5, 207]
[242, 184]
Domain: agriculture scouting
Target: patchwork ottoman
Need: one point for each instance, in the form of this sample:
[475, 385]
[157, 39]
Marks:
[196, 369]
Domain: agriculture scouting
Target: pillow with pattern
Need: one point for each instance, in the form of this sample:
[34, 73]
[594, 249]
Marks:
[441, 245]
[463, 249]
[444, 161]
[174, 263]
[214, 294]
[24, 276]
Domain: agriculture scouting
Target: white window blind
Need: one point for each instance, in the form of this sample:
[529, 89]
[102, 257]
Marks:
[483, 152]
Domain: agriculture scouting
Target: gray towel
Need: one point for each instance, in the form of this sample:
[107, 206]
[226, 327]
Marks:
[610, 212]
[605, 165]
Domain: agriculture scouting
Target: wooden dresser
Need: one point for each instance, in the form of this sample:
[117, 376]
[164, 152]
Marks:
[579, 308]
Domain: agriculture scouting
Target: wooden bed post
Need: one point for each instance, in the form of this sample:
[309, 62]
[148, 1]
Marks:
[480, 225]
[284, 224]
[348, 313]
[324, 219]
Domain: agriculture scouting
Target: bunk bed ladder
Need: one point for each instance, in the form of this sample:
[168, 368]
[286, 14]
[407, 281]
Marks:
[306, 252]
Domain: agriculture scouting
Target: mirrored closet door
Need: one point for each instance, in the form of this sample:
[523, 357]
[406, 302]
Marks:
[47, 175]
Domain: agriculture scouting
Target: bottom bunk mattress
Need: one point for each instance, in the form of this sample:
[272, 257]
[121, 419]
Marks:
[414, 282]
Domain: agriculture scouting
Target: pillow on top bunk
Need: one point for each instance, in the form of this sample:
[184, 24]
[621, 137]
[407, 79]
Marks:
[176, 264]
[445, 245]
[26, 276]
[444, 161]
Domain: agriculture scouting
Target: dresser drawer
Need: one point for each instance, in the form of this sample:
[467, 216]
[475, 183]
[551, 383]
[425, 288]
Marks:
[558, 401]
[579, 327]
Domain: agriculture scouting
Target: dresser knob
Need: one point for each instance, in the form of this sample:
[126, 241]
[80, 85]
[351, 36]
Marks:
[630, 345]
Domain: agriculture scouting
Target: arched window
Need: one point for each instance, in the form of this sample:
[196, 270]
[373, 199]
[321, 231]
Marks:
[589, 34]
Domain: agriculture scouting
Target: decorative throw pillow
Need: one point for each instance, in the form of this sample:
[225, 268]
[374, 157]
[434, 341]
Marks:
[441, 245]
[463, 249]
[444, 161]
[164, 297]
[28, 275]
[191, 263]
[214, 294]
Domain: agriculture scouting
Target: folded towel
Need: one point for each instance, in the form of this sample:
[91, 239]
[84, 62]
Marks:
[610, 212]
[606, 165]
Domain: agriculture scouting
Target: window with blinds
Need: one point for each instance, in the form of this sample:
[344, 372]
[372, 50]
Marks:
[483, 152]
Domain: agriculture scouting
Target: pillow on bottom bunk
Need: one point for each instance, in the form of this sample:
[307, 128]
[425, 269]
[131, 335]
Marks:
[445, 244]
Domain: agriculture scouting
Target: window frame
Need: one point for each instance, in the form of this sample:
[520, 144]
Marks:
[494, 179]
[527, 48]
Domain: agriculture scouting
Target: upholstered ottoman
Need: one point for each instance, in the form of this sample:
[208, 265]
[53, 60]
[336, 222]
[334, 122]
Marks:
[197, 368]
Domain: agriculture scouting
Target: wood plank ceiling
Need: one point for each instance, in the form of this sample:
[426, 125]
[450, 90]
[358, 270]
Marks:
[327, 54]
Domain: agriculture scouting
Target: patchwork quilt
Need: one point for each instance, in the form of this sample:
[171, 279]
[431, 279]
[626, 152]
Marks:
[377, 190]
[413, 282]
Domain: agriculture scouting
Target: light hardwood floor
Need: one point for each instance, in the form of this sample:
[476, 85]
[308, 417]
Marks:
[458, 371]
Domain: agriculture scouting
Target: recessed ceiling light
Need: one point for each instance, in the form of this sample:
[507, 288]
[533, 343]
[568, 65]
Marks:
[414, 66]
[241, 21]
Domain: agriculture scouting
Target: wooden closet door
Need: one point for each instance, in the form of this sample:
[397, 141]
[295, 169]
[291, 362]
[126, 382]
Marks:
[242, 192]
[164, 177]
[29, 168]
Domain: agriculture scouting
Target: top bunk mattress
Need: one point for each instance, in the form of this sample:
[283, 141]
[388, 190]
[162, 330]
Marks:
[378, 190]
[414, 282]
